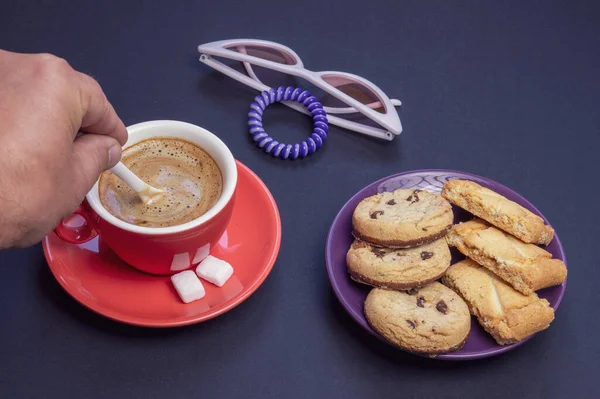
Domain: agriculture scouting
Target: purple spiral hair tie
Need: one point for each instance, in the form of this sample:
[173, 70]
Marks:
[274, 147]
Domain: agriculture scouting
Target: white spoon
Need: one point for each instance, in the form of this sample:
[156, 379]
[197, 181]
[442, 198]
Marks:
[147, 193]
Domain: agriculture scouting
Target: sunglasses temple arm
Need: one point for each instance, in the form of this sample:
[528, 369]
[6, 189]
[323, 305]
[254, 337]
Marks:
[240, 77]
[232, 73]
[346, 124]
[352, 110]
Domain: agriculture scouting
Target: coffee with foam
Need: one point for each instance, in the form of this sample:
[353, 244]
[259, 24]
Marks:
[191, 179]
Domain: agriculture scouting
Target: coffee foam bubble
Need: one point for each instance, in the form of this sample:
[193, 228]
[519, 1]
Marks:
[190, 178]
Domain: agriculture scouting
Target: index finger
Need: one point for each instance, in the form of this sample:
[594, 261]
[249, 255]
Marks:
[99, 116]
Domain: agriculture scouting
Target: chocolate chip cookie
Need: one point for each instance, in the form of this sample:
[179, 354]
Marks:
[430, 320]
[398, 268]
[402, 218]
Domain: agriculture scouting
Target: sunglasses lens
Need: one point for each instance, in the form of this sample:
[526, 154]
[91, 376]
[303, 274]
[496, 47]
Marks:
[267, 76]
[353, 88]
[266, 53]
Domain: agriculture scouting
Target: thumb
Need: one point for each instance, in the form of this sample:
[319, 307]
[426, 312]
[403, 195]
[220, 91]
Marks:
[92, 155]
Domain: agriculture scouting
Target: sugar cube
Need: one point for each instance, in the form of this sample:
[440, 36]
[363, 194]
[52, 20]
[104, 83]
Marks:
[214, 270]
[188, 286]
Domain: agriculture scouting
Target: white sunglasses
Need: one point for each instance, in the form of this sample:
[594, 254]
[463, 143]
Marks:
[359, 94]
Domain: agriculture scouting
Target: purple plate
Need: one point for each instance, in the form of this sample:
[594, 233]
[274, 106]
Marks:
[352, 295]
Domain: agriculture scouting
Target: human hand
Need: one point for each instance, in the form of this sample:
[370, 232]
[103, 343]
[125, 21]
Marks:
[45, 167]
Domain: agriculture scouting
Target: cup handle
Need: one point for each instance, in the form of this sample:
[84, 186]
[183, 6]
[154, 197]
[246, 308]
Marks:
[76, 234]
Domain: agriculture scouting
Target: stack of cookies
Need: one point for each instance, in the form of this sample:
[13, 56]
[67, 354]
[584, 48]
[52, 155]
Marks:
[505, 266]
[401, 249]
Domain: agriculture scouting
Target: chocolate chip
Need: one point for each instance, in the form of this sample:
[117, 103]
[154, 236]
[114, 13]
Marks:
[378, 252]
[417, 191]
[411, 323]
[412, 291]
[432, 330]
[442, 307]
[426, 255]
[391, 202]
[375, 214]
[413, 198]
[424, 229]
[420, 301]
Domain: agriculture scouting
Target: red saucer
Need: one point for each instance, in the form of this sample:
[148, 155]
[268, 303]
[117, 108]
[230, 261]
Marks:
[93, 275]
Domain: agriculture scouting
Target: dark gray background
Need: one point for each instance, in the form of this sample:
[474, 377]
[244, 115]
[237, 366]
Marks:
[508, 90]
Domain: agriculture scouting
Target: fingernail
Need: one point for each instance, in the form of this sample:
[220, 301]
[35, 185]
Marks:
[114, 155]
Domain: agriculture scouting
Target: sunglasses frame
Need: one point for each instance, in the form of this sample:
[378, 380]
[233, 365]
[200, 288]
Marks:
[388, 120]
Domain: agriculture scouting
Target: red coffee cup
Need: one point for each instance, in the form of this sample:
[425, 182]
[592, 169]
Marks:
[160, 250]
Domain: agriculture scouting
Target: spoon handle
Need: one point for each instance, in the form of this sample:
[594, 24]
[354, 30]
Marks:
[128, 177]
